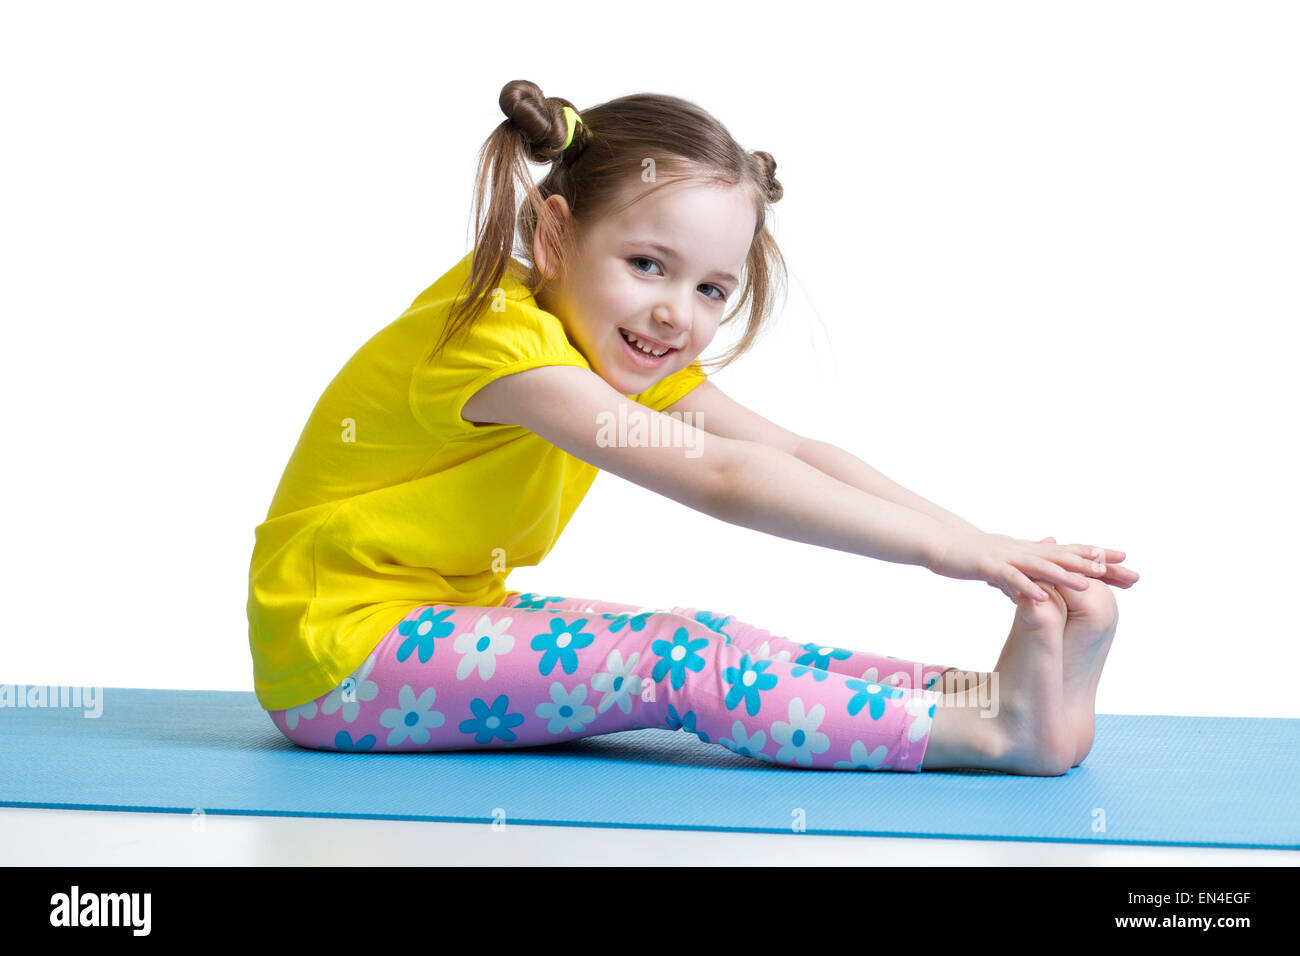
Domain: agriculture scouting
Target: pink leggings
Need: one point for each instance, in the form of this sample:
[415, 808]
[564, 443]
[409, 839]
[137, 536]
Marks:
[542, 669]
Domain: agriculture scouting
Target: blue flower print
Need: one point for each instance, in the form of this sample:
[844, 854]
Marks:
[491, 721]
[411, 718]
[816, 672]
[618, 682]
[686, 722]
[534, 602]
[566, 711]
[421, 632]
[481, 646]
[343, 741]
[673, 721]
[875, 694]
[748, 746]
[818, 655]
[677, 656]
[859, 759]
[635, 621]
[715, 622]
[747, 682]
[800, 738]
[561, 645]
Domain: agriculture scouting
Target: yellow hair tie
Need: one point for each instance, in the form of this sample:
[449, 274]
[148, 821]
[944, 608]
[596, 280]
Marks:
[572, 118]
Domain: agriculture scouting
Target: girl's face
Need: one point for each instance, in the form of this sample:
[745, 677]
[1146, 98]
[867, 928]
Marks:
[664, 270]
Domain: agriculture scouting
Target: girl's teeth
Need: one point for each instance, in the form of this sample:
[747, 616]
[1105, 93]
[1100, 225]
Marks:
[636, 343]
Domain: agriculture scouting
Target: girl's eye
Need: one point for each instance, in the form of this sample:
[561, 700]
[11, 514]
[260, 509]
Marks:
[720, 297]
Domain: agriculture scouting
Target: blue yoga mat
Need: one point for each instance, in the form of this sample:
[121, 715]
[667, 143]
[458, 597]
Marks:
[1189, 781]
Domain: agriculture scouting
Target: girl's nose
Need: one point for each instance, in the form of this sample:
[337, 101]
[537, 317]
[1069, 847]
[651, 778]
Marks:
[670, 320]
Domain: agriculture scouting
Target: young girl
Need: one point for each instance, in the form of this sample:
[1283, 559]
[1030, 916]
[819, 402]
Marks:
[457, 442]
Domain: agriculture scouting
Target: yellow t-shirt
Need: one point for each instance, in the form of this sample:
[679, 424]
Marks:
[392, 500]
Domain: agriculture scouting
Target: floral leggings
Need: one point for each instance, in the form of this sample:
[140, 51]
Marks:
[542, 669]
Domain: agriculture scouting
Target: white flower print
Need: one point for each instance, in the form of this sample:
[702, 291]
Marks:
[306, 711]
[859, 759]
[412, 718]
[919, 707]
[618, 683]
[481, 646]
[764, 653]
[752, 744]
[800, 738]
[566, 711]
[362, 689]
[872, 675]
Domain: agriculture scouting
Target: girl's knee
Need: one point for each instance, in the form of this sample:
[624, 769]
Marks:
[699, 625]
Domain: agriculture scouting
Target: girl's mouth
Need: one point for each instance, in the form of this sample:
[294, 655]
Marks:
[639, 357]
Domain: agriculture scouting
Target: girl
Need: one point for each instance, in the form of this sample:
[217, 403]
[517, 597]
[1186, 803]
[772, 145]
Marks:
[457, 442]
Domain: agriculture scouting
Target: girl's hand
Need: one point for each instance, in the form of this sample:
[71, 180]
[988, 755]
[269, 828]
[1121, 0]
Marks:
[1115, 573]
[1013, 565]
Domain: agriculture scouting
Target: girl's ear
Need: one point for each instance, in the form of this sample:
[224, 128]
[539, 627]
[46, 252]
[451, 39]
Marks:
[546, 240]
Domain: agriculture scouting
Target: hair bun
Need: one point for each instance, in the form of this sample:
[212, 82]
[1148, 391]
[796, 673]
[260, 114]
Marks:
[538, 118]
[767, 175]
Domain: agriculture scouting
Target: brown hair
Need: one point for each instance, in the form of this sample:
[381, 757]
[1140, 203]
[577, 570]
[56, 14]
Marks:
[611, 142]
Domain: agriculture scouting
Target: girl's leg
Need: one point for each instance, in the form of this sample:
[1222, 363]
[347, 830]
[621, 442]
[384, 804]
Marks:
[458, 678]
[893, 671]
[890, 734]
[462, 678]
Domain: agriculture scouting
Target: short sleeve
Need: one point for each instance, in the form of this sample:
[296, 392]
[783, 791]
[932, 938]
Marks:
[515, 336]
[669, 389]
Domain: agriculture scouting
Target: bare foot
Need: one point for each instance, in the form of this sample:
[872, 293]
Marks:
[1089, 630]
[1035, 734]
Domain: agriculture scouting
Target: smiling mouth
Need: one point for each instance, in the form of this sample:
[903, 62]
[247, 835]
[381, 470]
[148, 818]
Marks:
[637, 348]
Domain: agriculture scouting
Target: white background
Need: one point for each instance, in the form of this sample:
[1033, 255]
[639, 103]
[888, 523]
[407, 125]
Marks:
[1043, 271]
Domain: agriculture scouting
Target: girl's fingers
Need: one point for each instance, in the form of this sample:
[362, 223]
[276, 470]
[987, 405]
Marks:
[1108, 555]
[1115, 573]
[1120, 576]
[1087, 566]
[1124, 579]
[1089, 555]
[1055, 573]
[1017, 580]
[1080, 557]
[1004, 588]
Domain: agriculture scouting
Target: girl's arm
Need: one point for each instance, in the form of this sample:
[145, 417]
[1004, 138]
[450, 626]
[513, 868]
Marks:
[714, 411]
[718, 413]
[840, 464]
[739, 481]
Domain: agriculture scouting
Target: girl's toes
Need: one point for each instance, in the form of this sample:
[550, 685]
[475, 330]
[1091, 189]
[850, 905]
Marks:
[1097, 603]
[1057, 600]
[1049, 613]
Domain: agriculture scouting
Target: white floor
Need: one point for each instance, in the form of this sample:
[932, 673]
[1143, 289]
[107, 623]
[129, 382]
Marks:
[114, 838]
